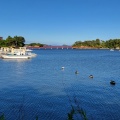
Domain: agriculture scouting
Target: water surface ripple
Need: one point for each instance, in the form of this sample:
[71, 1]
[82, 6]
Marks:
[39, 87]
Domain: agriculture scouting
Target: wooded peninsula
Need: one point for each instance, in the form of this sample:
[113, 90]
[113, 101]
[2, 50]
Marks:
[111, 44]
[16, 41]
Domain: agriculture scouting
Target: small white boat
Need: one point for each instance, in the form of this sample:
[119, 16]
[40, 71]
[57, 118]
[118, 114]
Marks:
[28, 50]
[32, 54]
[111, 49]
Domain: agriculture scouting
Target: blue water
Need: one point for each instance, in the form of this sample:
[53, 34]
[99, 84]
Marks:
[39, 87]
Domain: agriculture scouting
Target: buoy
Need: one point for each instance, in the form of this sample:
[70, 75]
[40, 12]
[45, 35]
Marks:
[76, 72]
[63, 67]
[91, 76]
[112, 82]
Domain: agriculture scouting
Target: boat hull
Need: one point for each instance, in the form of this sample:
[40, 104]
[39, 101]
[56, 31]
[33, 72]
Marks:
[15, 57]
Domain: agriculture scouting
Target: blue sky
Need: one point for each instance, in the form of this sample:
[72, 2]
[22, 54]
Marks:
[58, 22]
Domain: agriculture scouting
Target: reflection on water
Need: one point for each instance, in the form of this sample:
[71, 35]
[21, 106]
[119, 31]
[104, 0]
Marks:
[16, 60]
[17, 65]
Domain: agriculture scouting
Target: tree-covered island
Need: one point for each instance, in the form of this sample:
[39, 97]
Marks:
[112, 43]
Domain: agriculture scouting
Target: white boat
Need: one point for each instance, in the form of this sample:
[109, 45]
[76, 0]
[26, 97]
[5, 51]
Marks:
[28, 50]
[111, 49]
[31, 54]
[21, 53]
[8, 56]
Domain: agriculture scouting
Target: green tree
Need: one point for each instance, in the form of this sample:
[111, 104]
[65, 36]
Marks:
[19, 41]
[16, 41]
[9, 41]
[2, 43]
[98, 43]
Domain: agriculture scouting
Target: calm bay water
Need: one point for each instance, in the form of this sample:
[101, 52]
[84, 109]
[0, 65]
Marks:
[39, 87]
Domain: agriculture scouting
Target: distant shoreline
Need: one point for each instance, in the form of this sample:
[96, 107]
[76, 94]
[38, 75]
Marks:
[64, 47]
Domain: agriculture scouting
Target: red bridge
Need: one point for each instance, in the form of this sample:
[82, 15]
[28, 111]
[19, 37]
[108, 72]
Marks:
[50, 47]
